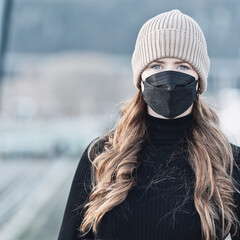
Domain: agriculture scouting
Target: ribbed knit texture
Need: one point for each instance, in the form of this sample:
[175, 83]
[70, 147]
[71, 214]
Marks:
[161, 205]
[171, 34]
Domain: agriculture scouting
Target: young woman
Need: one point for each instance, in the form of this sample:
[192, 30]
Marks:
[166, 170]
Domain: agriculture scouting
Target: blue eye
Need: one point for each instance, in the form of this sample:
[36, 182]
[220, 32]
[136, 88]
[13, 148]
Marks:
[156, 66]
[183, 67]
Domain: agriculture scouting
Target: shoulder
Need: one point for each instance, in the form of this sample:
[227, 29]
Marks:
[236, 163]
[235, 150]
[83, 171]
[95, 147]
[236, 154]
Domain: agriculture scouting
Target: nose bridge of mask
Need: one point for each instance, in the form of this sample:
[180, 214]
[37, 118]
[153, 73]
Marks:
[169, 79]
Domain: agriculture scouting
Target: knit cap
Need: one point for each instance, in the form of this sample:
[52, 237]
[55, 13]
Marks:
[174, 35]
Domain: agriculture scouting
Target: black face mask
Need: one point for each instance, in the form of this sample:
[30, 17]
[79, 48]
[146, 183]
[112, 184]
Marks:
[169, 93]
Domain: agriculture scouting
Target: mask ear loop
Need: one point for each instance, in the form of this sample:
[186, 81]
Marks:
[141, 85]
[198, 91]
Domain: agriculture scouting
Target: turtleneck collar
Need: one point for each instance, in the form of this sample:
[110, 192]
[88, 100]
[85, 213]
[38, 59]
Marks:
[168, 131]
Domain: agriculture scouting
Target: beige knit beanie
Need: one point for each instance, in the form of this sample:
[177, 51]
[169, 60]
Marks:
[171, 34]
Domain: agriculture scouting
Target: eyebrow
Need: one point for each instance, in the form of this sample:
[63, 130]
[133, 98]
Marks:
[159, 61]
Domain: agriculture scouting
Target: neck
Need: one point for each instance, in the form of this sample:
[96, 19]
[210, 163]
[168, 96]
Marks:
[154, 114]
[164, 131]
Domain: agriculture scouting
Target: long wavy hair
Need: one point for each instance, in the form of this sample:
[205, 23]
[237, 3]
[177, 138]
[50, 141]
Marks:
[210, 156]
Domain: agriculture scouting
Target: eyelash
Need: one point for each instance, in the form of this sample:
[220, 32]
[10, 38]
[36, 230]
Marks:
[184, 66]
[158, 65]
[155, 65]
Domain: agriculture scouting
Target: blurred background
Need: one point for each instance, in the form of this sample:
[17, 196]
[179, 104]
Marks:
[65, 69]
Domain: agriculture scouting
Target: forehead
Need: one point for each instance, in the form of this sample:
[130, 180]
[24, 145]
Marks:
[169, 60]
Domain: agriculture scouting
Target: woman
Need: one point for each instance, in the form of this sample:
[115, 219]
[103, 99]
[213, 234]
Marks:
[166, 171]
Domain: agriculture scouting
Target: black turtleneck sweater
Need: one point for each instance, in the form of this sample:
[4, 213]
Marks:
[161, 205]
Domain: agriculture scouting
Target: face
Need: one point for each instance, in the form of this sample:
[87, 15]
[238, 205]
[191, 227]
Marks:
[166, 64]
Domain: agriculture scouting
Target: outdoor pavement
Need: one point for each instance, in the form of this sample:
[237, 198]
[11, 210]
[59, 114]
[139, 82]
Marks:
[33, 195]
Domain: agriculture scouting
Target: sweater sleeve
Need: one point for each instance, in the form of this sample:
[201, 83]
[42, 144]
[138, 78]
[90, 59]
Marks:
[236, 176]
[78, 196]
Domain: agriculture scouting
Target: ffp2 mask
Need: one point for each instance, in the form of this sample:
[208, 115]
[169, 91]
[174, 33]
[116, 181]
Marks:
[169, 93]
